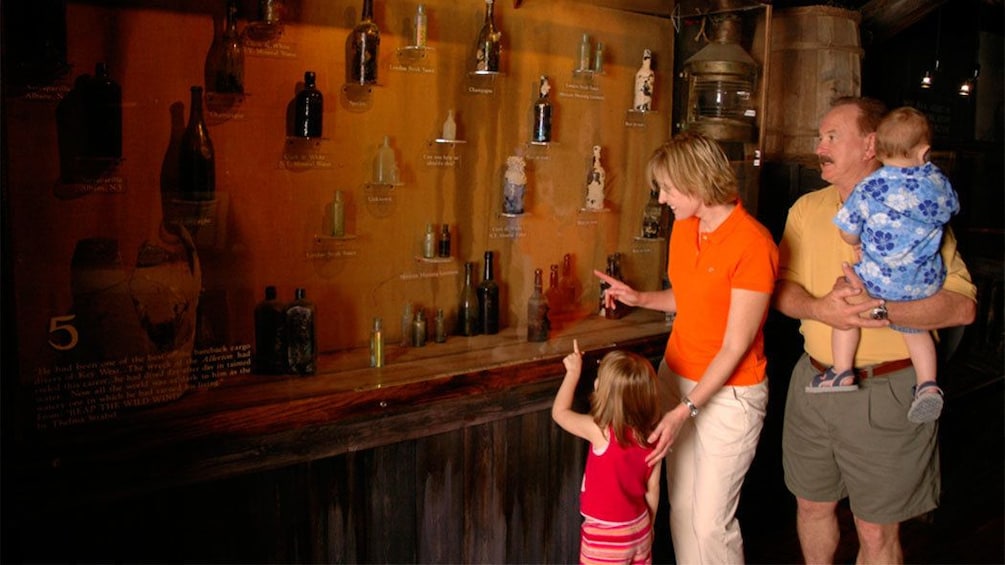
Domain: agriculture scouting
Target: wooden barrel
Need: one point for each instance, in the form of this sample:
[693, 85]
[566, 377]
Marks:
[815, 57]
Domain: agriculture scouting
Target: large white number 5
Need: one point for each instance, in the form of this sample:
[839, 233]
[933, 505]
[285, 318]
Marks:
[55, 325]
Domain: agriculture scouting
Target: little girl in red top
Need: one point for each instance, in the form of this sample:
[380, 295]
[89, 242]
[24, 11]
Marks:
[620, 491]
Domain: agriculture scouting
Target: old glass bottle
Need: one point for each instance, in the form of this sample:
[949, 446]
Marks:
[429, 243]
[196, 159]
[584, 54]
[361, 48]
[645, 80]
[489, 47]
[377, 343]
[467, 305]
[619, 309]
[270, 331]
[301, 345]
[421, 26]
[419, 328]
[102, 101]
[488, 299]
[338, 215]
[537, 312]
[652, 216]
[225, 63]
[309, 109]
[443, 247]
[554, 294]
[441, 326]
[542, 113]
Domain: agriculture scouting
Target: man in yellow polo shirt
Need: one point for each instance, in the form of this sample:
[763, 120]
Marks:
[856, 444]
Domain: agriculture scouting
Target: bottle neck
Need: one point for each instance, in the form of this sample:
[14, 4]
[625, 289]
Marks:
[367, 10]
[488, 267]
[489, 13]
[467, 274]
[195, 114]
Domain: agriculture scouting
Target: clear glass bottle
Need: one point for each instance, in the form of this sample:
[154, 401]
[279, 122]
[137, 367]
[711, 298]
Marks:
[421, 26]
[429, 243]
[537, 312]
[644, 82]
[467, 304]
[652, 216]
[197, 161]
[102, 101]
[377, 343]
[419, 328]
[542, 113]
[385, 166]
[301, 344]
[338, 215]
[309, 109]
[269, 25]
[598, 58]
[488, 51]
[584, 54]
[443, 248]
[361, 49]
[488, 299]
[270, 331]
[450, 126]
[225, 67]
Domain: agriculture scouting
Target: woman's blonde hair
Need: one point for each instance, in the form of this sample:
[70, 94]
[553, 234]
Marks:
[626, 398]
[697, 166]
[901, 132]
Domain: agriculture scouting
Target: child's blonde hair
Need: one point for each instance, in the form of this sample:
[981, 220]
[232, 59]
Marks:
[626, 397]
[901, 132]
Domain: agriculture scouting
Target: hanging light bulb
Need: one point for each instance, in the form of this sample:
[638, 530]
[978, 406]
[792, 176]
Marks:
[926, 81]
[968, 85]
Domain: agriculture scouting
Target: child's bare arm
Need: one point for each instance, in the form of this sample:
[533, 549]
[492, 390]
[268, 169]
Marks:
[653, 489]
[850, 238]
[577, 424]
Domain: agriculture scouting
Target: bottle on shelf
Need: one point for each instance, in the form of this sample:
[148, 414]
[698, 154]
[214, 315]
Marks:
[385, 166]
[419, 328]
[584, 54]
[645, 80]
[270, 331]
[537, 312]
[488, 51]
[652, 216]
[361, 49]
[596, 182]
[269, 25]
[338, 215]
[225, 63]
[450, 126]
[406, 325]
[542, 113]
[197, 161]
[598, 58]
[467, 305]
[613, 270]
[421, 26]
[102, 100]
[429, 243]
[301, 344]
[554, 294]
[377, 343]
[443, 247]
[441, 326]
[309, 109]
[488, 299]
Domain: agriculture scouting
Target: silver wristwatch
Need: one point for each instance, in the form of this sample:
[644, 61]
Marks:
[692, 409]
[879, 313]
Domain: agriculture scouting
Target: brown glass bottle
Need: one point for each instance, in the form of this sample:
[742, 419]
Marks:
[196, 160]
[301, 345]
[467, 305]
[488, 299]
[225, 64]
[270, 331]
[309, 109]
[537, 312]
[361, 49]
[489, 47]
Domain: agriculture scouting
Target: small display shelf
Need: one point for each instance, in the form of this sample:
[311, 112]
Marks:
[439, 260]
[412, 53]
[442, 141]
[357, 97]
[638, 118]
[321, 237]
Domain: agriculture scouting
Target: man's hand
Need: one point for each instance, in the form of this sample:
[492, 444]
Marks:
[848, 305]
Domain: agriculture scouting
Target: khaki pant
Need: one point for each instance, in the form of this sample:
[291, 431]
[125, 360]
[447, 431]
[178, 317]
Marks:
[706, 468]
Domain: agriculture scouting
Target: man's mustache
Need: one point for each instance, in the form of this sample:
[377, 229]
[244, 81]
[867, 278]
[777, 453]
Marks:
[826, 160]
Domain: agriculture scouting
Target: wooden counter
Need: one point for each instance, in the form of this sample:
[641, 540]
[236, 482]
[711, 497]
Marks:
[254, 424]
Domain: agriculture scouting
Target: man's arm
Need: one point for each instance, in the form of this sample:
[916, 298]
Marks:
[832, 308]
[942, 310]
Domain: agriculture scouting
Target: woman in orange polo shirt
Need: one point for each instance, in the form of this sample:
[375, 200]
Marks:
[722, 270]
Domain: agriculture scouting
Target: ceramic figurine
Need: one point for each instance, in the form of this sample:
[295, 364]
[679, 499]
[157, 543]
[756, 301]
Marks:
[596, 181]
[645, 79]
[515, 185]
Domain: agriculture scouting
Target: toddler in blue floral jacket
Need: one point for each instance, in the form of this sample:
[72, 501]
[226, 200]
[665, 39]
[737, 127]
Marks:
[896, 217]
